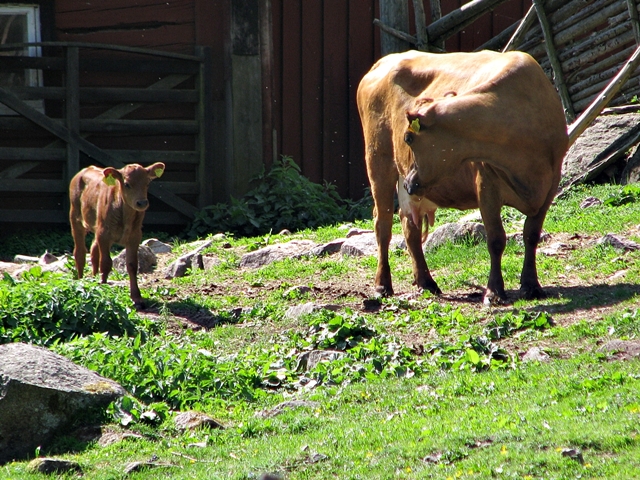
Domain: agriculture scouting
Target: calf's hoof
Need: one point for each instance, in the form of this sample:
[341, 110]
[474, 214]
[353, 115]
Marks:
[384, 291]
[139, 304]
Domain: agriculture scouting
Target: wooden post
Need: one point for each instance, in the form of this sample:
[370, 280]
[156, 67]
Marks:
[555, 62]
[244, 97]
[635, 23]
[436, 14]
[394, 14]
[205, 130]
[421, 26]
[526, 23]
[72, 109]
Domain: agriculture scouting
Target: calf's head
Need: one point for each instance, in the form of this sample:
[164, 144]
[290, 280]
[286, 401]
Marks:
[133, 181]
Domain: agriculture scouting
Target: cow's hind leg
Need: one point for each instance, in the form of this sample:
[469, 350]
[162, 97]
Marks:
[529, 284]
[490, 206]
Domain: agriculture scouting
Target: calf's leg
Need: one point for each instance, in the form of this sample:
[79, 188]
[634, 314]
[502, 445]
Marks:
[132, 269]
[102, 252]
[79, 234]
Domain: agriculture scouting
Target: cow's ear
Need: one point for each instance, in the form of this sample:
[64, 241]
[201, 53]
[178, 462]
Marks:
[111, 175]
[156, 170]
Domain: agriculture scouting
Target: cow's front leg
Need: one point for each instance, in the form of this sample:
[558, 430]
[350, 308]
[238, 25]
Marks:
[413, 236]
[132, 270]
[382, 190]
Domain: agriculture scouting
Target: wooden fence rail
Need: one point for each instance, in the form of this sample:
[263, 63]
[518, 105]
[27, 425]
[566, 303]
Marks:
[104, 105]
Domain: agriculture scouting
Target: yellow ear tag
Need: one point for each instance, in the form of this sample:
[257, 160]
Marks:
[415, 125]
[158, 172]
[109, 180]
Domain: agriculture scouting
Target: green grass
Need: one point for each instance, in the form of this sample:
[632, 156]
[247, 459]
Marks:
[426, 387]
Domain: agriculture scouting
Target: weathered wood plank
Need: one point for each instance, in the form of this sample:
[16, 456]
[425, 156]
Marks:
[32, 185]
[25, 154]
[395, 14]
[90, 149]
[149, 127]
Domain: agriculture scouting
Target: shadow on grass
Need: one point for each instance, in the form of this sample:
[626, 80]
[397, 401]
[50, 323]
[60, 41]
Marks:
[195, 315]
[576, 298]
[585, 297]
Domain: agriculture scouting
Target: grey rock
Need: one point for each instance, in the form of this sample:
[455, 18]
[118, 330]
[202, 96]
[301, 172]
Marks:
[53, 465]
[42, 394]
[297, 290]
[535, 354]
[590, 202]
[622, 348]
[631, 172]
[357, 231]
[157, 246]
[218, 237]
[618, 242]
[333, 246]
[308, 360]
[25, 259]
[192, 260]
[592, 151]
[274, 253]
[147, 260]
[208, 262]
[193, 420]
[366, 244]
[456, 232]
[297, 311]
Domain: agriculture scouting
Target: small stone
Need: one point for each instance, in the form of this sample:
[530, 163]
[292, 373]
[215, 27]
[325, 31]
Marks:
[308, 360]
[535, 354]
[590, 202]
[157, 246]
[192, 420]
[52, 465]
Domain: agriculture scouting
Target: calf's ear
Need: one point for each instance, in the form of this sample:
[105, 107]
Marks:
[111, 175]
[156, 170]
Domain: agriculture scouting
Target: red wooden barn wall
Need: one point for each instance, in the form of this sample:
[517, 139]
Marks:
[322, 48]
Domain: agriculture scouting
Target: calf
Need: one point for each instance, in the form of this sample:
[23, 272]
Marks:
[111, 203]
[461, 130]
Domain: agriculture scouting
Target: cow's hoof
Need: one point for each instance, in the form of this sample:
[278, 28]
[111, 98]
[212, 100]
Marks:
[533, 293]
[494, 298]
[383, 291]
[433, 289]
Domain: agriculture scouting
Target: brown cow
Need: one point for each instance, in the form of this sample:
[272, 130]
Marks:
[110, 203]
[461, 130]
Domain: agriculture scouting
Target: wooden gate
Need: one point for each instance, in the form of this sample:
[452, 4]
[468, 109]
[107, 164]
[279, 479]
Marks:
[106, 105]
